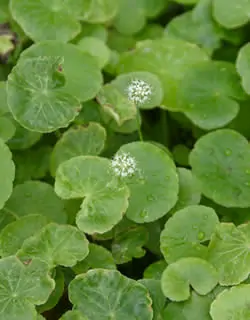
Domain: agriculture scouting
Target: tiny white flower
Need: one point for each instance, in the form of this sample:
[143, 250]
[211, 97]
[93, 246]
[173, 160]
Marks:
[123, 165]
[139, 91]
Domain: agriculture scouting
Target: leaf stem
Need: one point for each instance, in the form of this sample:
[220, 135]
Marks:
[138, 123]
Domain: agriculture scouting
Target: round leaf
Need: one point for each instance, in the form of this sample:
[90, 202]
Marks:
[196, 307]
[243, 66]
[99, 11]
[36, 197]
[97, 48]
[168, 58]
[154, 186]
[180, 242]
[232, 304]
[229, 253]
[105, 197]
[56, 293]
[73, 315]
[78, 141]
[158, 299]
[235, 15]
[32, 163]
[220, 161]
[198, 26]
[98, 257]
[47, 20]
[155, 270]
[7, 173]
[22, 286]
[211, 102]
[83, 82]
[7, 129]
[189, 190]
[127, 246]
[131, 16]
[56, 245]
[36, 97]
[23, 138]
[14, 234]
[179, 275]
[106, 294]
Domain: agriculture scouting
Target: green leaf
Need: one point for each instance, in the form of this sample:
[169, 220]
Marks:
[105, 196]
[36, 97]
[78, 141]
[96, 48]
[22, 287]
[23, 138]
[56, 245]
[220, 161]
[155, 270]
[180, 242]
[167, 58]
[7, 173]
[181, 152]
[158, 299]
[73, 315]
[235, 15]
[3, 98]
[154, 186]
[106, 294]
[229, 253]
[56, 293]
[154, 7]
[7, 128]
[189, 190]
[116, 110]
[98, 257]
[36, 197]
[243, 66]
[48, 20]
[196, 307]
[198, 26]
[83, 83]
[14, 234]
[99, 11]
[186, 272]
[232, 304]
[129, 245]
[154, 230]
[32, 164]
[131, 16]
[211, 102]
[97, 31]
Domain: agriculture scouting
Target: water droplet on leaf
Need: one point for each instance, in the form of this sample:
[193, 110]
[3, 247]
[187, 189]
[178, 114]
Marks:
[144, 213]
[201, 235]
[228, 152]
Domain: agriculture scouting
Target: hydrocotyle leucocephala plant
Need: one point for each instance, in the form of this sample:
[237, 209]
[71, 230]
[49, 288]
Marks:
[125, 160]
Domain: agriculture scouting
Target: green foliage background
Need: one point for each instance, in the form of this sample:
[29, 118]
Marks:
[168, 238]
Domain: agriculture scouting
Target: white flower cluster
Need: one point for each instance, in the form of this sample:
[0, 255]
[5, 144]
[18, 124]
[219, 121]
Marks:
[139, 91]
[123, 165]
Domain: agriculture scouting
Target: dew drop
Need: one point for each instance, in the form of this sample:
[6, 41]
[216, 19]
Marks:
[205, 217]
[195, 227]
[228, 152]
[247, 183]
[201, 235]
[144, 213]
[247, 171]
